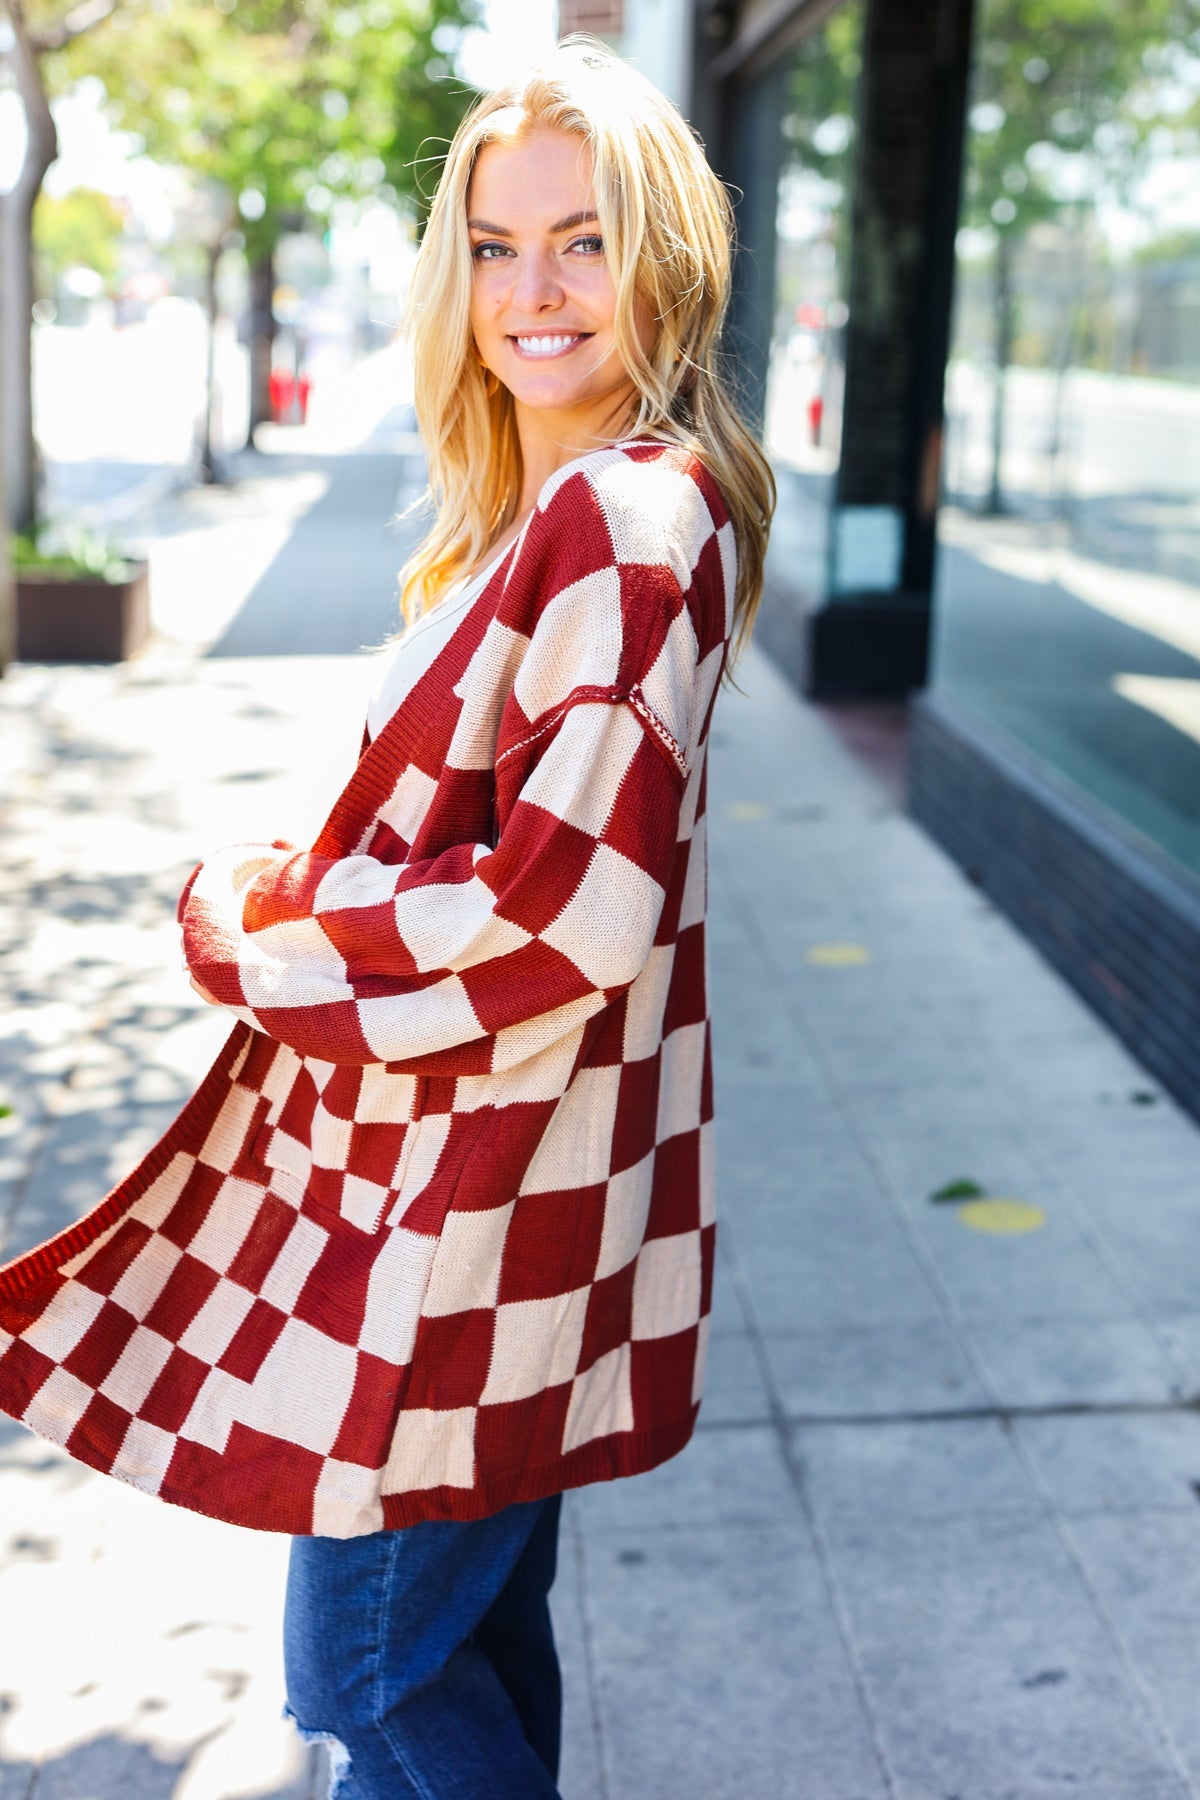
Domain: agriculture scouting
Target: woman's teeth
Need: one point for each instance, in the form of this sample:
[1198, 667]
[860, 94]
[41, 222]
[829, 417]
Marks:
[546, 346]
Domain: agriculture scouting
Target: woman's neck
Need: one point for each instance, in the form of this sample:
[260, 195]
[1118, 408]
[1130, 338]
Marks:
[549, 441]
[543, 453]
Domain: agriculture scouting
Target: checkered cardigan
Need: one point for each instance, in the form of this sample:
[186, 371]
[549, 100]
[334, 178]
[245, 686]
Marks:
[436, 1234]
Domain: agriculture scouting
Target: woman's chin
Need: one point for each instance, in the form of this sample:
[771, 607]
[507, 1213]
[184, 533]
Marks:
[534, 397]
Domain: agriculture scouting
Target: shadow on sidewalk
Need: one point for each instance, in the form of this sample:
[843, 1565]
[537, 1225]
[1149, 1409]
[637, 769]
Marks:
[331, 590]
[103, 1765]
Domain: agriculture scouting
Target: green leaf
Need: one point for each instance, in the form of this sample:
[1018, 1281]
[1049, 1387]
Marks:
[961, 1189]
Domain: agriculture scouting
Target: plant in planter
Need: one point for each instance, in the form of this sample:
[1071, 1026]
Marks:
[78, 599]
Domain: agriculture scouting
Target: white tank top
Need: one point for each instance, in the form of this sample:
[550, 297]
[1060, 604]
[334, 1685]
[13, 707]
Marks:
[417, 648]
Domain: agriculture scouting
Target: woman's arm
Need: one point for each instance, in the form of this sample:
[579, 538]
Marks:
[473, 960]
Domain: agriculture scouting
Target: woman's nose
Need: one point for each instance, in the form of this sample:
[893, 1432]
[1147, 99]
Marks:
[537, 285]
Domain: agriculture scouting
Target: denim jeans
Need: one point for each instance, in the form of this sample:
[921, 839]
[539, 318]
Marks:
[427, 1657]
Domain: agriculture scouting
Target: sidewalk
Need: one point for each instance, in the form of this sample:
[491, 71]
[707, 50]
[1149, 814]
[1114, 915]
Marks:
[939, 1532]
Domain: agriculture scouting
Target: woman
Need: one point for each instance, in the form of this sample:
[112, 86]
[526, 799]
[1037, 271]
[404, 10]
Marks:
[434, 1240]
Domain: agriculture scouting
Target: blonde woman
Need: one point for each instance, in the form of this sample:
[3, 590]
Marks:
[434, 1240]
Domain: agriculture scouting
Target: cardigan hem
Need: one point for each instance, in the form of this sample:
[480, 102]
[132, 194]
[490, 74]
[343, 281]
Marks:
[608, 1459]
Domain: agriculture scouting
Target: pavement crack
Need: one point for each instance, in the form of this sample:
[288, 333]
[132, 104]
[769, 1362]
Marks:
[587, 1633]
[1064, 1409]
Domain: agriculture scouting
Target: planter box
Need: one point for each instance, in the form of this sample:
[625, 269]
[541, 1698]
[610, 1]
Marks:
[78, 618]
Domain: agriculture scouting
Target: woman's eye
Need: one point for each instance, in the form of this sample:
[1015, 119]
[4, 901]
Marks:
[490, 252]
[589, 246]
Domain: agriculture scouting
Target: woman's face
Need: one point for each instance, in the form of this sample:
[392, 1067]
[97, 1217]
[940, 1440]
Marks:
[542, 301]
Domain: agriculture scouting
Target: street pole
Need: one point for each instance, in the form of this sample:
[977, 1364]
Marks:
[211, 214]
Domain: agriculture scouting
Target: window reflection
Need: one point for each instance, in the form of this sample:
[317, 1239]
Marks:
[1068, 605]
[803, 422]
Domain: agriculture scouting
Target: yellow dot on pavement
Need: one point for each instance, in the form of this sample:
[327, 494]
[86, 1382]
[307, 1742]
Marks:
[1001, 1215]
[746, 809]
[837, 956]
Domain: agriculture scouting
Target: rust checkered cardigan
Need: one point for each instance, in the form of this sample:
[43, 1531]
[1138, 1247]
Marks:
[435, 1234]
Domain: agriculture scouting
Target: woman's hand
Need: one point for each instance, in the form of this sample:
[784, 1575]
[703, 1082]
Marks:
[202, 991]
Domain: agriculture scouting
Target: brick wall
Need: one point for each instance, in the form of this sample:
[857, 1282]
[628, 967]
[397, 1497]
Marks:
[1119, 924]
[599, 18]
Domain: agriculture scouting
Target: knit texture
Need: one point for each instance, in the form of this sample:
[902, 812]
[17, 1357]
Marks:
[436, 1233]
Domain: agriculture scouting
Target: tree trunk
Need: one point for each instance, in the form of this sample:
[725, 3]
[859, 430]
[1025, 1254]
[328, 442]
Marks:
[262, 337]
[16, 316]
[209, 470]
[1070, 297]
[8, 592]
[1005, 331]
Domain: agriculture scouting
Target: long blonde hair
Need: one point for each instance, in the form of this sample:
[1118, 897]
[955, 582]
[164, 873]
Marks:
[667, 227]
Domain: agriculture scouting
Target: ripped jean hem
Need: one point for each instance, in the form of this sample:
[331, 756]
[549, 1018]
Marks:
[339, 1756]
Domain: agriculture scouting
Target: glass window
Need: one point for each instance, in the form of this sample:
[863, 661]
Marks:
[803, 415]
[1068, 595]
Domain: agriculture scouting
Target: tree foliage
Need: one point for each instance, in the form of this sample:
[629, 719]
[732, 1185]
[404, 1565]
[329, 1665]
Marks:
[285, 104]
[1068, 97]
[819, 128]
[79, 229]
[821, 98]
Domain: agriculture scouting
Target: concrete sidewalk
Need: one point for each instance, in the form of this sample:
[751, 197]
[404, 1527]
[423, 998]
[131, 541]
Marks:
[939, 1532]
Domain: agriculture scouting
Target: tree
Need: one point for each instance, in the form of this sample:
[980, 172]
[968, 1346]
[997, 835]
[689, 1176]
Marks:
[427, 101]
[34, 37]
[1066, 99]
[281, 104]
[819, 124]
[81, 229]
[7, 592]
[284, 105]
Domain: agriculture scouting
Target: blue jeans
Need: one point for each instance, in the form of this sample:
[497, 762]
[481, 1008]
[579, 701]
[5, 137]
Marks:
[427, 1657]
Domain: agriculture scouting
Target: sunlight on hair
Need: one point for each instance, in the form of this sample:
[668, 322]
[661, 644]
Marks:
[514, 34]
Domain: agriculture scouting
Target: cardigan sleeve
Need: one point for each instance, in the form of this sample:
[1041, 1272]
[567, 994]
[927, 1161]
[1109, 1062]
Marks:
[473, 960]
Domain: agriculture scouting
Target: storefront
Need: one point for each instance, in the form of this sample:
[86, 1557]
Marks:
[1057, 752]
[840, 126]
[969, 319]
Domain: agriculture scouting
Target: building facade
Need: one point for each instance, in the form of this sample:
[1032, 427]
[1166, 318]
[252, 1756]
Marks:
[968, 318]
[1057, 747]
[656, 35]
[968, 323]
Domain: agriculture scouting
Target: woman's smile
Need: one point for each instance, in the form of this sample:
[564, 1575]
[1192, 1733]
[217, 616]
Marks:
[541, 345]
